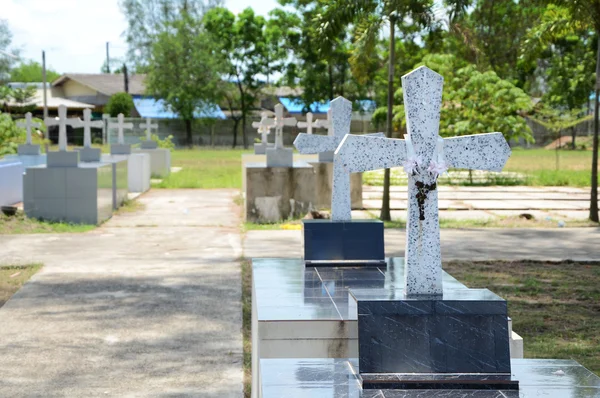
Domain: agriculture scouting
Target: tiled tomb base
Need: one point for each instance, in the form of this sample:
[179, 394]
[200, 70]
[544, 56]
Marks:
[301, 311]
[335, 378]
[138, 170]
[11, 182]
[328, 242]
[160, 161]
[323, 181]
[81, 194]
[275, 194]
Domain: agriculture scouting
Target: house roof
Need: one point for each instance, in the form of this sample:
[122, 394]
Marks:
[107, 84]
[295, 105]
[156, 109]
[53, 100]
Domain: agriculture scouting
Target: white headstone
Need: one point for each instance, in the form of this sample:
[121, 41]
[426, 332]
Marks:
[279, 123]
[61, 121]
[425, 156]
[87, 124]
[148, 126]
[120, 125]
[308, 124]
[28, 124]
[341, 118]
[264, 127]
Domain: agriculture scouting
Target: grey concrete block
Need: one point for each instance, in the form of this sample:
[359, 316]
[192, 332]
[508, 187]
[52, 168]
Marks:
[149, 144]
[29, 149]
[280, 157]
[120, 149]
[63, 159]
[326, 157]
[160, 161]
[261, 149]
[323, 186]
[89, 154]
[276, 194]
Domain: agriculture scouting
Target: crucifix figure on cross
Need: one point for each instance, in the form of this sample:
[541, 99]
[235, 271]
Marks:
[264, 127]
[61, 121]
[28, 124]
[341, 118]
[308, 124]
[424, 155]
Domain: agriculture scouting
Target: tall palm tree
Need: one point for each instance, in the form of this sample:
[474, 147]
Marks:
[572, 16]
[369, 18]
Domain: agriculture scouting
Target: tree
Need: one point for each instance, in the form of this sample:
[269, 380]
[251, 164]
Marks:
[31, 72]
[184, 70]
[147, 19]
[242, 45]
[7, 57]
[572, 16]
[119, 103]
[369, 17]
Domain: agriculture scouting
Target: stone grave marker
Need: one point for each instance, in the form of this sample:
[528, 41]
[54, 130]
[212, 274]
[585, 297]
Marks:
[264, 129]
[120, 148]
[328, 240]
[87, 153]
[28, 148]
[308, 124]
[62, 157]
[424, 155]
[148, 126]
[278, 156]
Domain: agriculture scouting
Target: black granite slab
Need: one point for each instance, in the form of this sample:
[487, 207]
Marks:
[334, 378]
[461, 331]
[328, 242]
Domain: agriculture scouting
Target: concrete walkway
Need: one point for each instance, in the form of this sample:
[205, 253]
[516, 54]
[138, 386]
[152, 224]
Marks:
[461, 244]
[146, 305]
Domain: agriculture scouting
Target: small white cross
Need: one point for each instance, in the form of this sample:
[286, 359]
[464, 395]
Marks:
[308, 124]
[28, 124]
[87, 124]
[120, 125]
[340, 113]
[61, 121]
[279, 123]
[424, 155]
[326, 124]
[148, 126]
[264, 127]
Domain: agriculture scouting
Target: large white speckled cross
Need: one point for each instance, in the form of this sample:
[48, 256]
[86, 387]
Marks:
[61, 121]
[422, 101]
[120, 126]
[87, 127]
[341, 118]
[28, 124]
[264, 127]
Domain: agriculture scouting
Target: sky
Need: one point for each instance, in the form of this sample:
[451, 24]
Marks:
[74, 32]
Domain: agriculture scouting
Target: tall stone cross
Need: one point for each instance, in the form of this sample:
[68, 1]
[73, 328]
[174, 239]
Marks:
[424, 155]
[308, 124]
[264, 127]
[341, 117]
[279, 122]
[28, 124]
[120, 125]
[148, 126]
[87, 124]
[61, 121]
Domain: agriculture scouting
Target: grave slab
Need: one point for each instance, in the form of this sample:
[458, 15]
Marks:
[138, 170]
[160, 161]
[11, 182]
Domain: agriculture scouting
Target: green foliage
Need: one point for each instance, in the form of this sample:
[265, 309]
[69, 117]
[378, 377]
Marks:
[10, 135]
[119, 103]
[166, 143]
[31, 72]
[6, 60]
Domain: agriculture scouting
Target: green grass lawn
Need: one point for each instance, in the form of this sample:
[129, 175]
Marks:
[205, 168]
[12, 277]
[20, 224]
[555, 307]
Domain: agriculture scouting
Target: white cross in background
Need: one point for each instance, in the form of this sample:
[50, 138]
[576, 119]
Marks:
[148, 126]
[28, 124]
[87, 124]
[325, 124]
[341, 118]
[279, 123]
[264, 127]
[424, 155]
[61, 121]
[308, 124]
[120, 125]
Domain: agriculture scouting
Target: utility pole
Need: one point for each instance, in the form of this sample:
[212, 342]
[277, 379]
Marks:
[45, 83]
[126, 78]
[107, 59]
